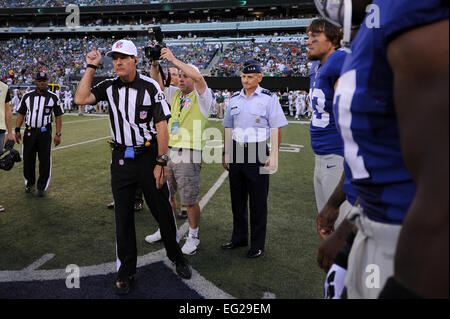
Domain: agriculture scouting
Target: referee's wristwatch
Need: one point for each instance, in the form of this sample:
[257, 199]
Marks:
[162, 160]
[58, 134]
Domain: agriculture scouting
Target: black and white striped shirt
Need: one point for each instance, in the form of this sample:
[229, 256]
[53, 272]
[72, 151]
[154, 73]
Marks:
[134, 108]
[38, 108]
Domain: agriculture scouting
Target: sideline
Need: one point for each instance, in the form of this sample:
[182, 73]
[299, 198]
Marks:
[198, 283]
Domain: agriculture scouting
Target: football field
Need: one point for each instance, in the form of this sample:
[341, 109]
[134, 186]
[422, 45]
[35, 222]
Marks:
[72, 226]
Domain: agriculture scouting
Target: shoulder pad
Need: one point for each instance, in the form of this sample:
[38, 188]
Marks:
[267, 92]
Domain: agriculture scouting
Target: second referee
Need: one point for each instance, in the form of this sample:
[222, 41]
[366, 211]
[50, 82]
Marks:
[138, 120]
[36, 108]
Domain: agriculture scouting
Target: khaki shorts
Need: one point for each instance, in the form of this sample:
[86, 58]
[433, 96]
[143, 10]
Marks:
[327, 174]
[371, 259]
[184, 174]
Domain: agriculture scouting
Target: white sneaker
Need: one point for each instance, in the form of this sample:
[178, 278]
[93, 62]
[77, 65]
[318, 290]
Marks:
[190, 246]
[153, 238]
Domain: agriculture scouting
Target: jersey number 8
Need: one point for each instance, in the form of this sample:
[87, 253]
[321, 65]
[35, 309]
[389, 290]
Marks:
[320, 118]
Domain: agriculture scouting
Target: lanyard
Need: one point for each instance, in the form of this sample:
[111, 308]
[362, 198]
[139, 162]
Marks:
[182, 100]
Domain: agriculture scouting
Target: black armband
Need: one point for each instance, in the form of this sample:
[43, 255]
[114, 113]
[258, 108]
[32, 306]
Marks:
[161, 163]
[393, 289]
[91, 66]
[17, 130]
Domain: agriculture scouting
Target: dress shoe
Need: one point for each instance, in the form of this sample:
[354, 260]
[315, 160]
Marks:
[41, 193]
[255, 253]
[123, 286]
[183, 269]
[231, 245]
[138, 206]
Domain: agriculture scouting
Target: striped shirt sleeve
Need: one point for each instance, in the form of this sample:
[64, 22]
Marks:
[160, 109]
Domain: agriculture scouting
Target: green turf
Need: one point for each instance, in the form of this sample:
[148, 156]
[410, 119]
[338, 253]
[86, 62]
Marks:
[73, 223]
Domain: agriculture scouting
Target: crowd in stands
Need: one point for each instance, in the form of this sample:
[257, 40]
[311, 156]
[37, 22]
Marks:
[278, 59]
[21, 58]
[63, 3]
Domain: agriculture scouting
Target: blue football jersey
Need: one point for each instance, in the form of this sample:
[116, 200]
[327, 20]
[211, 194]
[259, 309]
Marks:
[325, 138]
[350, 193]
[365, 111]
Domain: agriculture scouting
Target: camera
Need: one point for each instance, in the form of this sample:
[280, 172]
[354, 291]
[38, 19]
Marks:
[153, 52]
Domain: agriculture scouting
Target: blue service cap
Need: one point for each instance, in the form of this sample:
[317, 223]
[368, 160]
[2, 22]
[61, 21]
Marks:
[251, 66]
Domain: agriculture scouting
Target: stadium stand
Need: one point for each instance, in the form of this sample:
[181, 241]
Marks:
[216, 36]
[61, 3]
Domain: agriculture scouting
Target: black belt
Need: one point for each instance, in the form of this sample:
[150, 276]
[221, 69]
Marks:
[141, 149]
[47, 127]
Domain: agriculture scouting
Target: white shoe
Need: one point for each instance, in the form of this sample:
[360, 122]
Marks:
[153, 238]
[190, 246]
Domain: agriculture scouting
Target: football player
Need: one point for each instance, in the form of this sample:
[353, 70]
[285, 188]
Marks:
[323, 44]
[398, 166]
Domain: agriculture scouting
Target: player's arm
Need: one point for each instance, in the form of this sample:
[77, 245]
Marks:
[83, 96]
[419, 59]
[333, 243]
[330, 212]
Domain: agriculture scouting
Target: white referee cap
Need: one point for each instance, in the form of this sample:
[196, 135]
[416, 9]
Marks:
[123, 46]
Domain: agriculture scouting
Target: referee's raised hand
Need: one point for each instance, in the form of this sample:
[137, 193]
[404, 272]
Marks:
[94, 57]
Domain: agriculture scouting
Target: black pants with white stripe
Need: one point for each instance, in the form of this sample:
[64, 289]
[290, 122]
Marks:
[248, 187]
[40, 143]
[126, 175]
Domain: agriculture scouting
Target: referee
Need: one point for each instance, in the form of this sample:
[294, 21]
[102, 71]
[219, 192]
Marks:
[138, 120]
[37, 106]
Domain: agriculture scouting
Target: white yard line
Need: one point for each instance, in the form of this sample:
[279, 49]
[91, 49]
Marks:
[83, 121]
[198, 283]
[38, 263]
[81, 143]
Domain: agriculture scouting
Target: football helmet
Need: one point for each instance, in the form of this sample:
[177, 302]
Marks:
[339, 13]
[8, 159]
